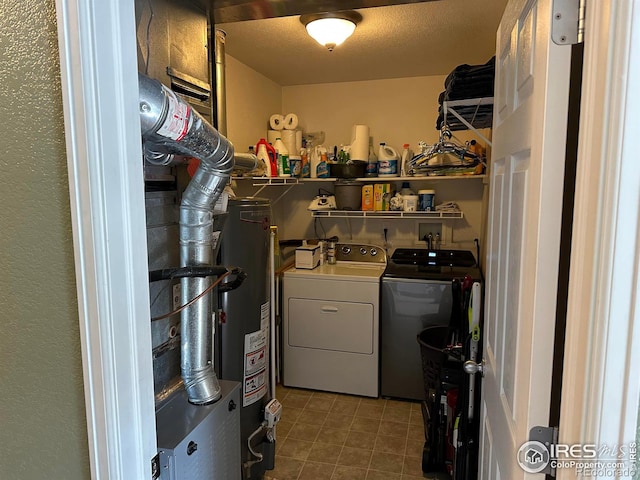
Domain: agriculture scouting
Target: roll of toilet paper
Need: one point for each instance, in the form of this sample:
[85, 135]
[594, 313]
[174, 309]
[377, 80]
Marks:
[298, 140]
[272, 135]
[359, 143]
[291, 121]
[276, 121]
[289, 139]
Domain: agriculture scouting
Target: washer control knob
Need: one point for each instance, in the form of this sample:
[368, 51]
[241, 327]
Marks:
[363, 251]
[373, 252]
[346, 249]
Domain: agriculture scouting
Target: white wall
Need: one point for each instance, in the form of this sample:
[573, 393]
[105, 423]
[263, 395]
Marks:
[397, 111]
[251, 99]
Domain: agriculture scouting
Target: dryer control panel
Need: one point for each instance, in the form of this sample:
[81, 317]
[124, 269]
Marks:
[350, 252]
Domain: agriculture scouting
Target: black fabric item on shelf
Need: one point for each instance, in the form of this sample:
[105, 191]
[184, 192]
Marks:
[470, 80]
[483, 117]
[466, 93]
[462, 71]
[467, 82]
[471, 91]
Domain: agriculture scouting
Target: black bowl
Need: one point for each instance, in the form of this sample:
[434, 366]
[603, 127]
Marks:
[353, 169]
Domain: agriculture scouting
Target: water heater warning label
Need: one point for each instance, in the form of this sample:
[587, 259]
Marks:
[254, 388]
[255, 367]
[256, 361]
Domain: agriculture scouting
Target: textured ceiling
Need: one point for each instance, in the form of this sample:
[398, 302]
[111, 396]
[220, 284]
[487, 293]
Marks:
[418, 39]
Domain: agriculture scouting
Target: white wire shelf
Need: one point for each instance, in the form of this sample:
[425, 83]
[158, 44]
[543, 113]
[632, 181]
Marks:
[420, 178]
[265, 181]
[385, 214]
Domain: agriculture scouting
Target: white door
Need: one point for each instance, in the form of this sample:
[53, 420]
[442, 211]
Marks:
[529, 132]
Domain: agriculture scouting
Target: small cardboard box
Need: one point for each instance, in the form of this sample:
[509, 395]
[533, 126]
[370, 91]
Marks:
[367, 198]
[308, 256]
[380, 202]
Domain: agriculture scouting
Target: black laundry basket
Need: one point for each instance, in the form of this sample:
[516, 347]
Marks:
[435, 353]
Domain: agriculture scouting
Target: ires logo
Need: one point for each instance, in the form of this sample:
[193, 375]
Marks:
[537, 457]
[533, 457]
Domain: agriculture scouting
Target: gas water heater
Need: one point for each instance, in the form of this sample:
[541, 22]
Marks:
[243, 332]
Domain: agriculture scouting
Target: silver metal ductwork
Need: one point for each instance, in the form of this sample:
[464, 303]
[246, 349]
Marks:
[171, 127]
[221, 80]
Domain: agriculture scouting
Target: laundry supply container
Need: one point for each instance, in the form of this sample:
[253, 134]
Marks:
[388, 159]
[348, 195]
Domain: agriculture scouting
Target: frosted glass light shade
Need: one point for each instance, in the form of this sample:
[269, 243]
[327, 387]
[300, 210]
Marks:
[330, 32]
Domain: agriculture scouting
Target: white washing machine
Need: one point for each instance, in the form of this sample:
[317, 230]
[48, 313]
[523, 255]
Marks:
[331, 323]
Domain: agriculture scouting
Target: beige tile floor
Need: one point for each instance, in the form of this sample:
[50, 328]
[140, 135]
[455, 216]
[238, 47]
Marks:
[328, 436]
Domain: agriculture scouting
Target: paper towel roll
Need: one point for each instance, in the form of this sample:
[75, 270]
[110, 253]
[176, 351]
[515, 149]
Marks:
[289, 139]
[291, 121]
[360, 143]
[276, 121]
[298, 140]
[272, 135]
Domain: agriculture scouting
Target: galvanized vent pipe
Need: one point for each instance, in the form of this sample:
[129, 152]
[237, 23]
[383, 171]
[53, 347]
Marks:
[221, 80]
[171, 127]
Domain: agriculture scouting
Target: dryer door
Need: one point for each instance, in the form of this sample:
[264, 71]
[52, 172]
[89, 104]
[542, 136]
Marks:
[331, 325]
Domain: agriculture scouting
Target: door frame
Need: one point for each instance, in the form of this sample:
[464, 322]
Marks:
[99, 88]
[104, 159]
[600, 390]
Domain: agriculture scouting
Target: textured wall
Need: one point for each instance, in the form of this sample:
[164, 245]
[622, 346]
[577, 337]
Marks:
[397, 111]
[251, 99]
[42, 417]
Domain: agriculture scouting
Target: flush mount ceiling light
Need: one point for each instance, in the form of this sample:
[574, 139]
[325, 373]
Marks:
[331, 29]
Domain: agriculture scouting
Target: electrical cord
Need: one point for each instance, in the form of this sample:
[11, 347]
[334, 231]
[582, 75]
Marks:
[386, 243]
[193, 300]
[324, 232]
[259, 457]
[261, 429]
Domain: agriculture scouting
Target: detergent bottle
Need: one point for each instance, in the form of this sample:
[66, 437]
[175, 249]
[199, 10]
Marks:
[372, 162]
[318, 162]
[283, 158]
[267, 154]
[387, 161]
[314, 161]
[405, 164]
[306, 167]
[322, 169]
